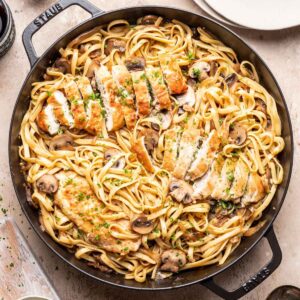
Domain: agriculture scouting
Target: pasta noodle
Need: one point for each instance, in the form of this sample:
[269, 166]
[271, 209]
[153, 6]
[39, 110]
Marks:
[208, 229]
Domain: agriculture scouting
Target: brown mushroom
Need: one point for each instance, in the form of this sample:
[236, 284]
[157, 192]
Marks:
[199, 70]
[111, 153]
[92, 68]
[231, 79]
[149, 20]
[173, 260]
[187, 100]
[63, 65]
[193, 236]
[151, 138]
[142, 225]
[164, 119]
[260, 105]
[213, 68]
[47, 184]
[61, 142]
[238, 134]
[181, 191]
[111, 44]
[266, 180]
[135, 64]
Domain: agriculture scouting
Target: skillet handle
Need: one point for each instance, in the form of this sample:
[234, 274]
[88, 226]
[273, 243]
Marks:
[47, 15]
[256, 279]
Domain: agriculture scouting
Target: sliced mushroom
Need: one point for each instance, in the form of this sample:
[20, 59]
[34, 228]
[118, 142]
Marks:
[92, 68]
[188, 99]
[260, 105]
[151, 138]
[63, 65]
[111, 44]
[135, 64]
[111, 153]
[142, 225]
[164, 119]
[192, 236]
[47, 184]
[173, 260]
[61, 142]
[238, 134]
[266, 180]
[149, 20]
[199, 70]
[181, 191]
[231, 79]
[213, 68]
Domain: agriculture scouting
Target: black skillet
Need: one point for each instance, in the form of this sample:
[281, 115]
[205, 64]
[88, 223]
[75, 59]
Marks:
[205, 275]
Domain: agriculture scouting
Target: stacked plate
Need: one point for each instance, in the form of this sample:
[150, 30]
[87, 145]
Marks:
[254, 14]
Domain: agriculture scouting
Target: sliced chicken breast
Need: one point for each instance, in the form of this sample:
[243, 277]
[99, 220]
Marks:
[173, 75]
[84, 87]
[188, 146]
[77, 104]
[159, 88]
[204, 156]
[239, 180]
[71, 90]
[114, 113]
[95, 118]
[222, 185]
[172, 139]
[46, 120]
[61, 108]
[255, 190]
[143, 99]
[142, 154]
[204, 186]
[123, 81]
[78, 202]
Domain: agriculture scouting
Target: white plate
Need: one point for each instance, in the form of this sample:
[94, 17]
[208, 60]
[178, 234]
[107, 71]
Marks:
[259, 14]
[204, 6]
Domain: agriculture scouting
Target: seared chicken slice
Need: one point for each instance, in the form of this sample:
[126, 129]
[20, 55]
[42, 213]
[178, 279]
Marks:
[143, 99]
[123, 81]
[84, 87]
[159, 88]
[139, 148]
[77, 104]
[255, 190]
[204, 186]
[46, 120]
[78, 202]
[61, 108]
[204, 156]
[172, 138]
[114, 113]
[71, 90]
[95, 118]
[222, 185]
[173, 75]
[239, 180]
[188, 146]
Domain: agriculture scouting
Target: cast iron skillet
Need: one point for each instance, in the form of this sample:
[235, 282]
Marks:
[38, 65]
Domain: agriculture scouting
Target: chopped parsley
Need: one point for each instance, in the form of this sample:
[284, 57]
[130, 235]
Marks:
[196, 72]
[80, 196]
[106, 225]
[49, 93]
[230, 176]
[190, 56]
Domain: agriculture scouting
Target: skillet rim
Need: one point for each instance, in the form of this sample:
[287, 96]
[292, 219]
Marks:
[262, 232]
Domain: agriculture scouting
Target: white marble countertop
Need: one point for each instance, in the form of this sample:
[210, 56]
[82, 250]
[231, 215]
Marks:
[280, 50]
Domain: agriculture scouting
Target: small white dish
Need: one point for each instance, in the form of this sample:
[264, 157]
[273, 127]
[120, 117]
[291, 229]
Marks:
[259, 14]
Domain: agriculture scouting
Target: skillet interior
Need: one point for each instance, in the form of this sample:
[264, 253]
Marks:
[243, 51]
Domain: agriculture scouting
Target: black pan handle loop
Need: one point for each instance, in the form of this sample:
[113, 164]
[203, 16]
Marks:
[46, 16]
[255, 280]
